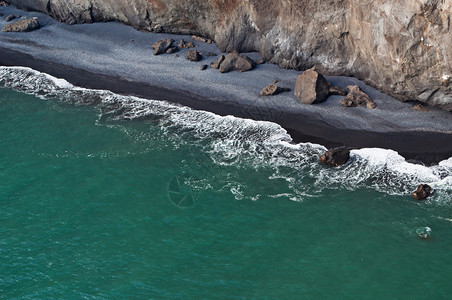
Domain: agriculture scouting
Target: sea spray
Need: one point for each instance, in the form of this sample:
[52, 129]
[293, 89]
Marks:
[263, 146]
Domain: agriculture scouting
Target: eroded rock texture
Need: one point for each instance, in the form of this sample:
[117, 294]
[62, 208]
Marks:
[400, 47]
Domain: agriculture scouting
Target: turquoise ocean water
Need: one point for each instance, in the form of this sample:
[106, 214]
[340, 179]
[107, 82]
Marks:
[112, 197]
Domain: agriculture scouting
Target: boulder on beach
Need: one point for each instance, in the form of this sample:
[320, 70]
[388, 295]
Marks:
[203, 67]
[311, 87]
[356, 97]
[273, 89]
[193, 55]
[10, 18]
[216, 63]
[236, 62]
[335, 157]
[422, 192]
[22, 26]
[162, 46]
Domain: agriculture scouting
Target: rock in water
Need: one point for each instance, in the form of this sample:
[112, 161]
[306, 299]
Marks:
[236, 62]
[356, 97]
[22, 26]
[193, 55]
[335, 157]
[10, 17]
[272, 89]
[216, 64]
[203, 67]
[162, 46]
[311, 87]
[422, 192]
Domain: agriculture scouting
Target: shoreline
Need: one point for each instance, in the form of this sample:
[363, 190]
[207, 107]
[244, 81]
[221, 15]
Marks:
[431, 151]
[418, 136]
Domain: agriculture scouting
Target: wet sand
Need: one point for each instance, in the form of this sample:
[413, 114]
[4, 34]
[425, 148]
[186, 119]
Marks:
[116, 57]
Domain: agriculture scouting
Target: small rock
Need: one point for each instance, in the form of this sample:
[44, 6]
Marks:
[236, 62]
[162, 46]
[193, 55]
[356, 97]
[209, 41]
[199, 39]
[311, 87]
[211, 54]
[183, 45]
[172, 50]
[273, 89]
[10, 17]
[275, 81]
[422, 192]
[420, 107]
[336, 90]
[175, 55]
[203, 67]
[22, 26]
[335, 157]
[216, 64]
[260, 61]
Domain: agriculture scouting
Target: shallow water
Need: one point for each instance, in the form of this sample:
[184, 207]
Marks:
[107, 196]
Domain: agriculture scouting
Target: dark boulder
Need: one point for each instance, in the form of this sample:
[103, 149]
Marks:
[22, 26]
[273, 89]
[311, 87]
[236, 62]
[203, 67]
[216, 64]
[193, 55]
[162, 46]
[10, 18]
[356, 97]
[422, 192]
[335, 157]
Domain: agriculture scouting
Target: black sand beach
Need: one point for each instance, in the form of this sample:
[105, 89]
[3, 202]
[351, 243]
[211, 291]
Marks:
[115, 57]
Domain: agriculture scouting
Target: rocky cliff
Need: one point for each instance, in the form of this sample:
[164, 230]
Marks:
[400, 47]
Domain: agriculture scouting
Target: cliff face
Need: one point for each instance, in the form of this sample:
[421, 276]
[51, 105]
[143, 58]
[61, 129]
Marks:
[400, 47]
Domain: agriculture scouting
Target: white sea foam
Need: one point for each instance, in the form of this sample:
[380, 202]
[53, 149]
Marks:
[262, 146]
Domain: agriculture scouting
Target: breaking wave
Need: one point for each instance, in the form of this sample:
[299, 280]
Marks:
[264, 147]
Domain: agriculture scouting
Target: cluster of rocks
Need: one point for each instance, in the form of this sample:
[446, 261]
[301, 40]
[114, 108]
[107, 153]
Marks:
[339, 156]
[312, 88]
[233, 62]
